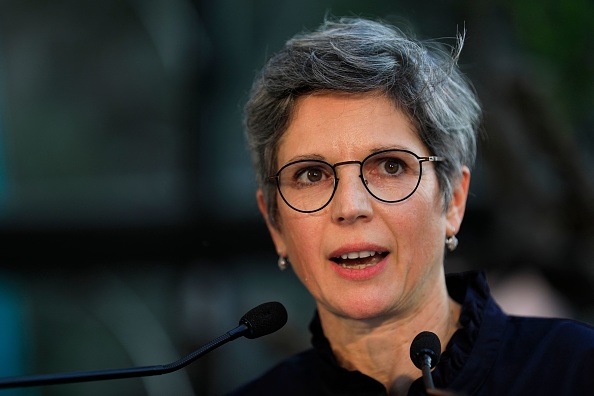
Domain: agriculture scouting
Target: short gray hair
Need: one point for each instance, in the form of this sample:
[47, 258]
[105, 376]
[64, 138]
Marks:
[355, 55]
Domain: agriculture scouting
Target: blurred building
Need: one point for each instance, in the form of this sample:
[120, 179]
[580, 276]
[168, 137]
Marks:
[130, 233]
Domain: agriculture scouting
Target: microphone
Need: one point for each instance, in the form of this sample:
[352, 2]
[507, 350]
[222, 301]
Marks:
[424, 352]
[263, 320]
[259, 321]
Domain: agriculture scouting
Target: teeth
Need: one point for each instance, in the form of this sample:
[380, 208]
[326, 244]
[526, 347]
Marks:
[356, 255]
[360, 266]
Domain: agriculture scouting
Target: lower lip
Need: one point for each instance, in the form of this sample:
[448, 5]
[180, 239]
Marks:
[360, 274]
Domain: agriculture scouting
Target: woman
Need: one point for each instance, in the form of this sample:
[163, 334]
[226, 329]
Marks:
[362, 140]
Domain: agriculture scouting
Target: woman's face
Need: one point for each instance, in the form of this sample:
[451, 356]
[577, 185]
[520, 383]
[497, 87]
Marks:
[407, 238]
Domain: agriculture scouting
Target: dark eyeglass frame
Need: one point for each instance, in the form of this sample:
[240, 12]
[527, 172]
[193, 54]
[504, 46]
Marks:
[276, 177]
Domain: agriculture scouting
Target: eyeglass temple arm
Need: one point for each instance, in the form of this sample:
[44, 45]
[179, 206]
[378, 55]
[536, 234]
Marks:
[432, 158]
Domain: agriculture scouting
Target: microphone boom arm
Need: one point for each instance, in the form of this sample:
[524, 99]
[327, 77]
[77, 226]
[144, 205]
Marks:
[131, 372]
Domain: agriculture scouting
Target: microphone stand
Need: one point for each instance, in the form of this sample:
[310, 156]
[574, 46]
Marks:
[426, 369]
[131, 372]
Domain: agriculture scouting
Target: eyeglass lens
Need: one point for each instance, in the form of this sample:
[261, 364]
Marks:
[309, 185]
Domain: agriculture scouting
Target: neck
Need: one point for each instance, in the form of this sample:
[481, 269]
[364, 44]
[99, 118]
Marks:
[380, 347]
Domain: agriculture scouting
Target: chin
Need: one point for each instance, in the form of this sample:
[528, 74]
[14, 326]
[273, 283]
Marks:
[365, 310]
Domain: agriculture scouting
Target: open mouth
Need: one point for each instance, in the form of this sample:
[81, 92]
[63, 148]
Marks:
[359, 260]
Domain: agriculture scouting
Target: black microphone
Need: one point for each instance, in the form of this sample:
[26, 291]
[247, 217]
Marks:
[259, 321]
[424, 352]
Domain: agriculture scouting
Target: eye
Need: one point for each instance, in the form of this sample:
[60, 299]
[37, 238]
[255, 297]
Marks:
[391, 166]
[303, 174]
[310, 175]
[388, 166]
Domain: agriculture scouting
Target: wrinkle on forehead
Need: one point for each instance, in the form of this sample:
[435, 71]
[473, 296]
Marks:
[354, 114]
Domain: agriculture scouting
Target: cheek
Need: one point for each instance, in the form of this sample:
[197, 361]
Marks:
[302, 235]
[418, 227]
[428, 200]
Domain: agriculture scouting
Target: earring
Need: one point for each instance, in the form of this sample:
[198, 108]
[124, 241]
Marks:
[283, 263]
[451, 243]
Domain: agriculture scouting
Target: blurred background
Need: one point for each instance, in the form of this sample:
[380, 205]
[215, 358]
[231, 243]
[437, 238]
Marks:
[129, 231]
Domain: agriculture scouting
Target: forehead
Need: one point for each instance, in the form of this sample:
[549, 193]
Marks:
[336, 126]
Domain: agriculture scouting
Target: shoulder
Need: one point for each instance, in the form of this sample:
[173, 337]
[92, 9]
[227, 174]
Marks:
[293, 376]
[548, 340]
[545, 356]
[556, 333]
[528, 355]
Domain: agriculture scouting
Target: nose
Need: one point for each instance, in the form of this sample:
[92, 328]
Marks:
[351, 201]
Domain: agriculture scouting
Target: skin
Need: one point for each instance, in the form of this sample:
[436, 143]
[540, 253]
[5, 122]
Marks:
[369, 316]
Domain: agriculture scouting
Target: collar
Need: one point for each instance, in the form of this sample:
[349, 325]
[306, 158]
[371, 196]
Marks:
[468, 356]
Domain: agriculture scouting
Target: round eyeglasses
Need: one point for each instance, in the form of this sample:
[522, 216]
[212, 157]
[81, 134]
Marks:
[390, 176]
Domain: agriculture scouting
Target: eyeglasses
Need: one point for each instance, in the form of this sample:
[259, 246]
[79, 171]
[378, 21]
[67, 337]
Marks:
[390, 176]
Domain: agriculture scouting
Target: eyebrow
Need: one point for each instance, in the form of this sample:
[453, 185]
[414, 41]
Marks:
[319, 157]
[307, 157]
[392, 147]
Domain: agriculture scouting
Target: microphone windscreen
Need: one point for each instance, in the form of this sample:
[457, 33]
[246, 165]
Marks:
[264, 319]
[425, 343]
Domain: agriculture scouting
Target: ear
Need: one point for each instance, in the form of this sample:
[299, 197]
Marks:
[275, 233]
[457, 205]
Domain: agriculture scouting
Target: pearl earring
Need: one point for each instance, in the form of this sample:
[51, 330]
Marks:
[451, 243]
[283, 263]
